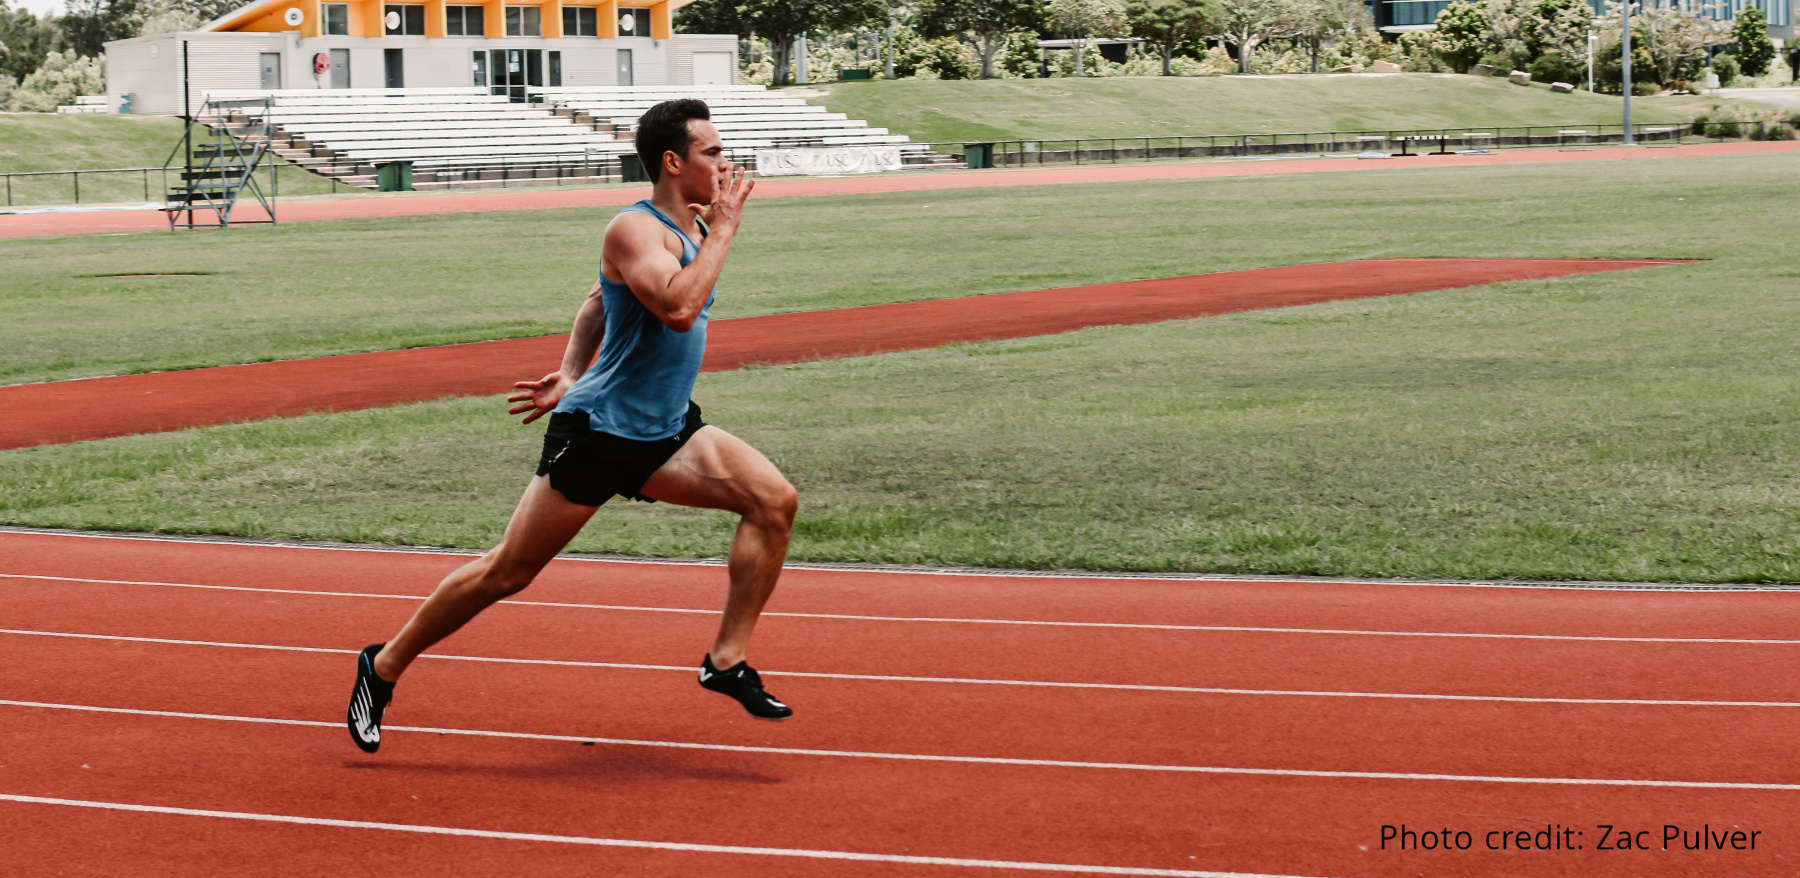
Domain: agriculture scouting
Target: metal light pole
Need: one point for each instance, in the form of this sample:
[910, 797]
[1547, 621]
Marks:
[800, 59]
[1592, 39]
[889, 69]
[1625, 68]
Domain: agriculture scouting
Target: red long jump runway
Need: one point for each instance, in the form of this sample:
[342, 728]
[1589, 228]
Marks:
[37, 225]
[175, 707]
[99, 408]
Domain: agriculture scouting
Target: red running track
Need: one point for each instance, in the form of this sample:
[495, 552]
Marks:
[1263, 728]
[394, 205]
[98, 408]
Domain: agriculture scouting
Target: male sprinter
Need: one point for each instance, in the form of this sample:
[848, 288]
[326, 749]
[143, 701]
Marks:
[626, 426]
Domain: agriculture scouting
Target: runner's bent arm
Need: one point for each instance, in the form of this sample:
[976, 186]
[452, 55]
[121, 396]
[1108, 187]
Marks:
[542, 395]
[676, 295]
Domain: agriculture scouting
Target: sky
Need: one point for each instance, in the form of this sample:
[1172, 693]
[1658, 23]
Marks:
[38, 6]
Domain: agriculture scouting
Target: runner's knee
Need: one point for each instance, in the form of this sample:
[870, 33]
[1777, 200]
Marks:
[778, 502]
[503, 579]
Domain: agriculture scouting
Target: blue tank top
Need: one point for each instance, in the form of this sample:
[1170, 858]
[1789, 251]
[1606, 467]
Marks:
[639, 386]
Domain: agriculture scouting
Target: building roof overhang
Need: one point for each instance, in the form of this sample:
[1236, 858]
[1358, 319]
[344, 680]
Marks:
[258, 9]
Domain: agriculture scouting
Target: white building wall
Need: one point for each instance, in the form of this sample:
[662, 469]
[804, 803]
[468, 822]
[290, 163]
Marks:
[680, 64]
[149, 68]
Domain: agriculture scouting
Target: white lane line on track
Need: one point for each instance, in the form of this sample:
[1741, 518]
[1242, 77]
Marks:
[631, 843]
[1249, 629]
[977, 681]
[984, 572]
[932, 757]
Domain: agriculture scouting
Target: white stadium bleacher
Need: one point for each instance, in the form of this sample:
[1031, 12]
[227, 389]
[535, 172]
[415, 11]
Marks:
[468, 137]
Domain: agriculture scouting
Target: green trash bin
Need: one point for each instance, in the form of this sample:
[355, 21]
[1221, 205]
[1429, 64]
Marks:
[979, 155]
[631, 169]
[394, 176]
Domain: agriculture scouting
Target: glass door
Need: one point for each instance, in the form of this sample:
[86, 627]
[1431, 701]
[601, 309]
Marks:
[511, 70]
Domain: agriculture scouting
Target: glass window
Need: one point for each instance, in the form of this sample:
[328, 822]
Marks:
[581, 21]
[479, 68]
[534, 67]
[555, 68]
[474, 21]
[634, 22]
[453, 21]
[406, 19]
[524, 21]
[337, 19]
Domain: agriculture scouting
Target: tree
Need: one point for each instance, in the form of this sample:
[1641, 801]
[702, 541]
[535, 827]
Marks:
[779, 22]
[1023, 56]
[62, 78]
[1561, 26]
[984, 23]
[1083, 20]
[90, 24]
[1247, 24]
[1751, 33]
[1676, 40]
[27, 39]
[1168, 25]
[1320, 20]
[1462, 36]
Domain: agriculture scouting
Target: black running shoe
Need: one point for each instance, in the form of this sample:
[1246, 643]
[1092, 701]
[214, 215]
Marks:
[740, 681]
[368, 701]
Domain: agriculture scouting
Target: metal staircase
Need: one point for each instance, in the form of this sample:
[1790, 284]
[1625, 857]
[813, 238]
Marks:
[216, 164]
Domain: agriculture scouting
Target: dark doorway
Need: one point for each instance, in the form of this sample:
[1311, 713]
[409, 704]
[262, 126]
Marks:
[396, 68]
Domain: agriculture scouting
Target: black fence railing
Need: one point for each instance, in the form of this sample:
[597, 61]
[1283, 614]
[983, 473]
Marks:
[101, 185]
[95, 185]
[523, 172]
[62, 187]
[1395, 141]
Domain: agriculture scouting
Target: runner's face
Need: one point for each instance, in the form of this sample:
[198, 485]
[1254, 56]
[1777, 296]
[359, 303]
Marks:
[705, 162]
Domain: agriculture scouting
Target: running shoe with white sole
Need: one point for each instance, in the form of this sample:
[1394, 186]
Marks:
[741, 682]
[368, 701]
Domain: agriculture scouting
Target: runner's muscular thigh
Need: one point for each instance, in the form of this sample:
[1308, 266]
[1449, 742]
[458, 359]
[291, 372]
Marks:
[714, 470]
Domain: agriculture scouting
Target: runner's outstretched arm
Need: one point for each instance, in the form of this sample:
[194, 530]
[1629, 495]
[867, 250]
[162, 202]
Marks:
[540, 396]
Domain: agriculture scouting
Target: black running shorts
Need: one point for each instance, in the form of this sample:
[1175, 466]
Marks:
[589, 467]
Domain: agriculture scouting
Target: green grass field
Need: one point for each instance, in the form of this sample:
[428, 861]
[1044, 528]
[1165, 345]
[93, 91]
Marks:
[57, 142]
[1034, 109]
[1637, 425]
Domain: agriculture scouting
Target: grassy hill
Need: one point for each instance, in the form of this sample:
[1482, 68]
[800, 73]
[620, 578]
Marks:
[1047, 109]
[56, 142]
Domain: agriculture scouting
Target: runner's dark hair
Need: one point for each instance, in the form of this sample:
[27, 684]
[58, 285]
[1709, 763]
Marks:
[664, 128]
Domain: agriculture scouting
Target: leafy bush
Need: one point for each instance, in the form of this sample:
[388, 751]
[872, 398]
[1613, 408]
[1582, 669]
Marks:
[1419, 54]
[1607, 73]
[1556, 67]
[1292, 59]
[1734, 120]
[1462, 34]
[1021, 56]
[1726, 66]
[1751, 31]
[1361, 47]
[1215, 61]
[947, 58]
[59, 80]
